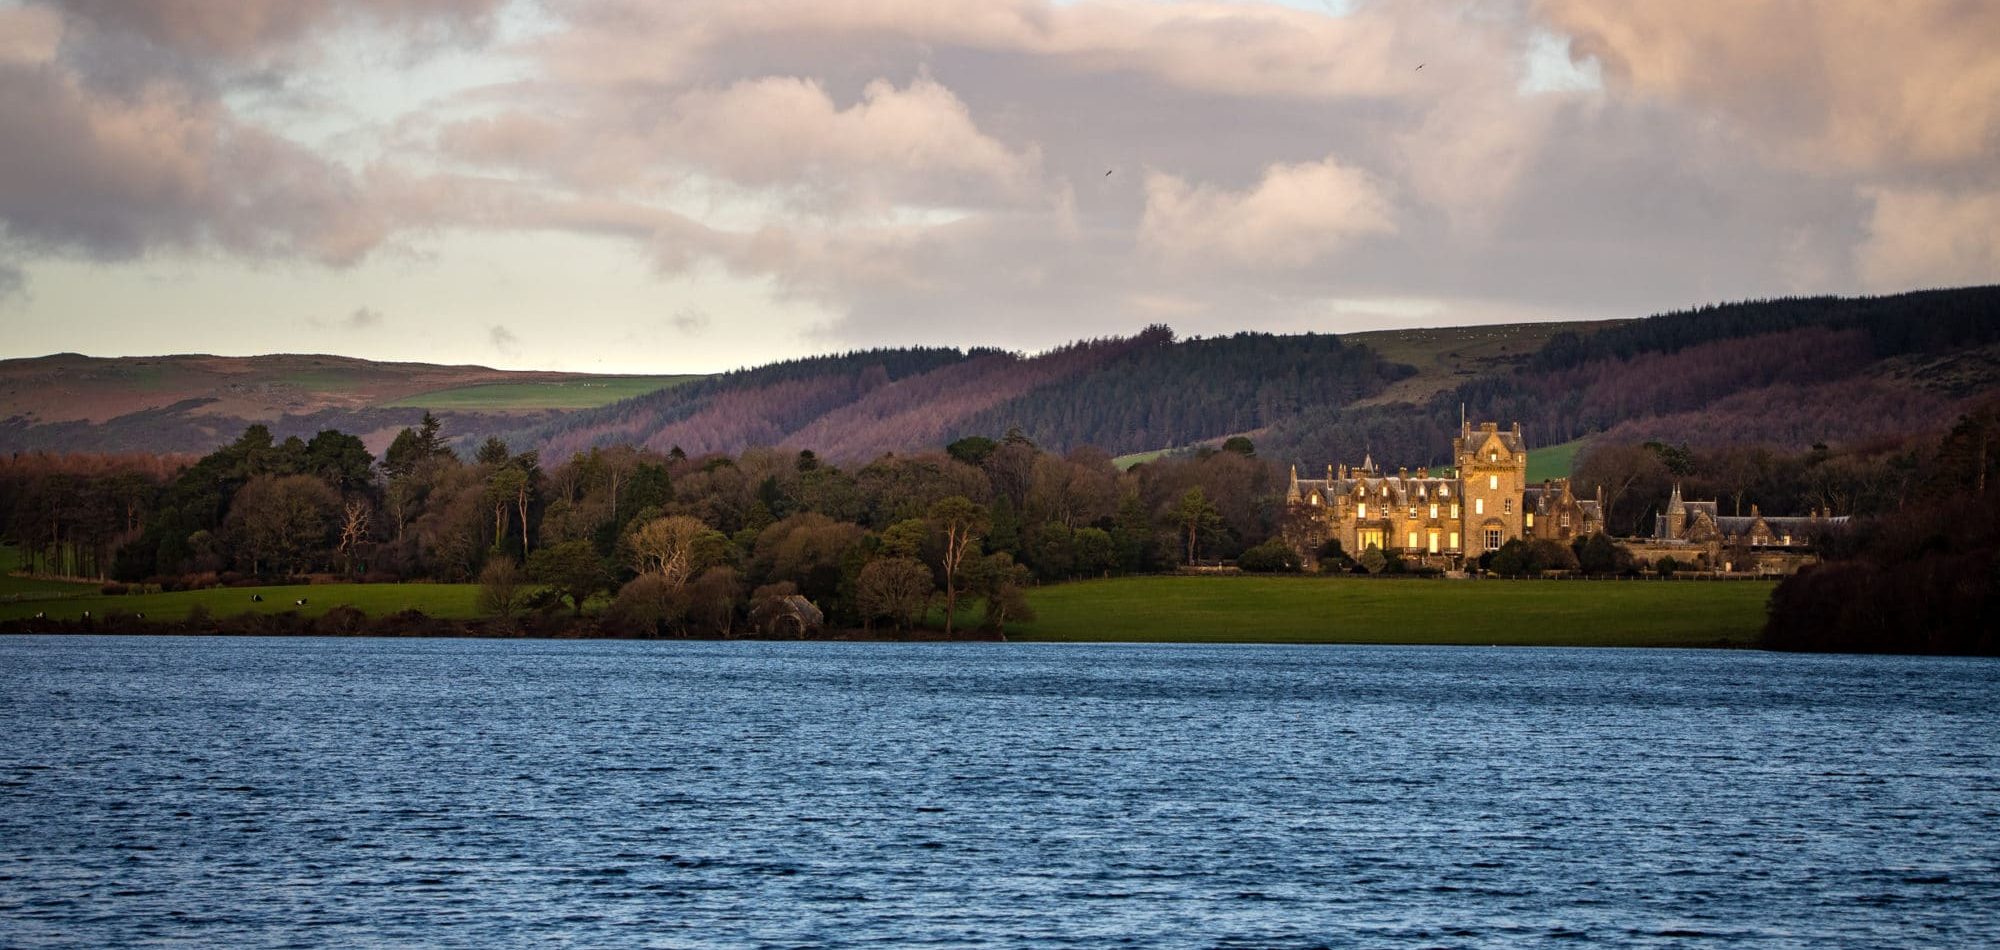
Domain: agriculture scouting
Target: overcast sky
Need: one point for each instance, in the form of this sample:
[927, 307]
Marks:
[652, 186]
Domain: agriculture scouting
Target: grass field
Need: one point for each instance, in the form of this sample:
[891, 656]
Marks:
[583, 393]
[1553, 461]
[449, 601]
[1417, 611]
[27, 588]
[1447, 356]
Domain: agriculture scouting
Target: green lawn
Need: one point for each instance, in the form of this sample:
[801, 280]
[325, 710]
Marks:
[582, 393]
[1415, 610]
[1554, 461]
[27, 588]
[452, 601]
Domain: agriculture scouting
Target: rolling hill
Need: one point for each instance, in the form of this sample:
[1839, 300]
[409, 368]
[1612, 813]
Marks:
[1790, 372]
[191, 403]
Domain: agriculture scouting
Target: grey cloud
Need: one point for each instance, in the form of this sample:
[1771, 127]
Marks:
[690, 320]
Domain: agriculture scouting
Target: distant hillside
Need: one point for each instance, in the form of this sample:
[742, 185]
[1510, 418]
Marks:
[1788, 373]
[193, 403]
[1120, 395]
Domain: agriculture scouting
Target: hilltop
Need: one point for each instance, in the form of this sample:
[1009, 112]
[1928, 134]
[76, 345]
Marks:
[1787, 373]
[191, 403]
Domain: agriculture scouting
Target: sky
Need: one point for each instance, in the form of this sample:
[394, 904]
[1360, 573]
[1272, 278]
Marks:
[665, 186]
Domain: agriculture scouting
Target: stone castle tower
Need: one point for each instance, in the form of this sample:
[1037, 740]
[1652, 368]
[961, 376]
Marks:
[1493, 473]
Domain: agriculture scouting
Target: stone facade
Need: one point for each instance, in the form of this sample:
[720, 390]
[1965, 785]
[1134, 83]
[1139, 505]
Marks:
[1442, 518]
[1695, 534]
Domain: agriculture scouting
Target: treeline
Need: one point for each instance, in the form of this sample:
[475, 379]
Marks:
[70, 513]
[1868, 478]
[1173, 394]
[1783, 372]
[679, 543]
[1143, 392]
[1922, 578]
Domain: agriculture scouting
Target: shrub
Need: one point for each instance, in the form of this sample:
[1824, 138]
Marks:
[1271, 557]
[114, 589]
[1666, 566]
[1373, 560]
[341, 621]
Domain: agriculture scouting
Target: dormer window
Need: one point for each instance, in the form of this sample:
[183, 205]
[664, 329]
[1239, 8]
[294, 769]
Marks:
[1493, 456]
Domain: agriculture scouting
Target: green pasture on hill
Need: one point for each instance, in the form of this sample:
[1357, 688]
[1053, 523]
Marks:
[1253, 609]
[1553, 461]
[586, 392]
[450, 601]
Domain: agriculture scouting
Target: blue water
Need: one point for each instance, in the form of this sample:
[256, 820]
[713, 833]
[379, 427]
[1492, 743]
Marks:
[254, 792]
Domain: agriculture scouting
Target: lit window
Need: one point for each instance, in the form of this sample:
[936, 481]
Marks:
[1478, 506]
[1454, 514]
[1493, 481]
[1531, 519]
[1434, 512]
[1434, 541]
[1413, 541]
[1315, 501]
[1444, 491]
[1454, 540]
[1493, 456]
[1361, 510]
[1507, 505]
[1492, 539]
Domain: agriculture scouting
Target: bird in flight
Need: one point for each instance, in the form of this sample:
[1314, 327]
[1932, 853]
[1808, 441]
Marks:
[1107, 173]
[1420, 66]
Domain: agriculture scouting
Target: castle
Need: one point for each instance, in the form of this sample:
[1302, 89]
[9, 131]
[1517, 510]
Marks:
[1486, 501]
[1444, 520]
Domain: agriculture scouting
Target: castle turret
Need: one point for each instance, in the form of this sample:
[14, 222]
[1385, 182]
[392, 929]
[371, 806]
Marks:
[1676, 514]
[1292, 494]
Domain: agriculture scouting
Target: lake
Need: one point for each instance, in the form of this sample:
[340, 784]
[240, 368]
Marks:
[262, 792]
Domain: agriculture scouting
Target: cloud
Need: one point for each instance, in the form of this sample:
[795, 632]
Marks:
[935, 171]
[361, 318]
[1297, 215]
[13, 283]
[249, 29]
[1836, 85]
[690, 320]
[503, 340]
[1931, 238]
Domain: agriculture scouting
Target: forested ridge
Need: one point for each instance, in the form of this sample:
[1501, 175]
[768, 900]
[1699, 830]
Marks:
[1790, 373]
[1124, 394]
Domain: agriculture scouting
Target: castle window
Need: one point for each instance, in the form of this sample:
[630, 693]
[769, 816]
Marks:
[1454, 540]
[1444, 491]
[1507, 505]
[1478, 506]
[1315, 500]
[1565, 519]
[1531, 519]
[1413, 541]
[1493, 456]
[1454, 514]
[1493, 481]
[1434, 512]
[1434, 541]
[1492, 539]
[1361, 510]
